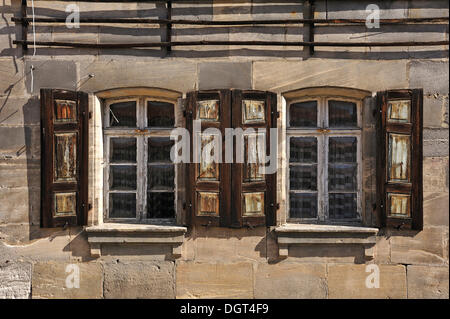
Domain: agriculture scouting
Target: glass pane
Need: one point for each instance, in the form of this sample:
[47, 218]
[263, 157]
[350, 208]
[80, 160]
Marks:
[303, 114]
[254, 151]
[207, 204]
[399, 157]
[253, 204]
[208, 110]
[65, 157]
[253, 111]
[161, 177]
[208, 169]
[399, 111]
[342, 177]
[123, 114]
[65, 204]
[65, 111]
[303, 150]
[159, 149]
[342, 149]
[122, 177]
[161, 205]
[342, 206]
[303, 177]
[160, 114]
[399, 205]
[342, 114]
[122, 150]
[302, 205]
[122, 205]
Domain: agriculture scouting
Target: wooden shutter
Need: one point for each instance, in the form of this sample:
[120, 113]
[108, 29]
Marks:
[208, 190]
[399, 158]
[253, 194]
[64, 145]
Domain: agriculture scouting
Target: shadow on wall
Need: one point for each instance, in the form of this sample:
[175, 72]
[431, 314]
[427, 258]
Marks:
[257, 10]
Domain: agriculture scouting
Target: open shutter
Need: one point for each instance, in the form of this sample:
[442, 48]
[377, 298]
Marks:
[254, 194]
[64, 144]
[208, 185]
[399, 158]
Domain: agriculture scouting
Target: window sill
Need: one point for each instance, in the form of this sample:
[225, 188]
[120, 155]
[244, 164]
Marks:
[114, 233]
[307, 234]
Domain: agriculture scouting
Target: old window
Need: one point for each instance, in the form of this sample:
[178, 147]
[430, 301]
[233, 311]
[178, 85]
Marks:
[139, 176]
[323, 148]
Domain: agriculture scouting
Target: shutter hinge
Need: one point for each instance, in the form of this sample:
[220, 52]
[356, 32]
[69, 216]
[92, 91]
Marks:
[277, 205]
[187, 113]
[89, 206]
[249, 226]
[90, 115]
[208, 224]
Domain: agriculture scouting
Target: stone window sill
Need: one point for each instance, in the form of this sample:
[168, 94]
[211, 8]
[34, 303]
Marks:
[114, 233]
[307, 234]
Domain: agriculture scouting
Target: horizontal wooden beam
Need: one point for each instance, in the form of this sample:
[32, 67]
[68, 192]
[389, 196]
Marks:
[225, 23]
[238, 43]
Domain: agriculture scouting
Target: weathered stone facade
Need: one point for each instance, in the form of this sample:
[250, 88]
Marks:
[215, 262]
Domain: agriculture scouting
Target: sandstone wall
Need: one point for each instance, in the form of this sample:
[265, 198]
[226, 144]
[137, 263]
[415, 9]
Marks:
[219, 262]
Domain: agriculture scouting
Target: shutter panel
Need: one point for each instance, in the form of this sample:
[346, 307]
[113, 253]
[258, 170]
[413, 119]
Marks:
[399, 159]
[64, 145]
[208, 185]
[254, 194]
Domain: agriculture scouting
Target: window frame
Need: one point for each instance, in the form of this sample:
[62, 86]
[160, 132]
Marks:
[320, 132]
[141, 132]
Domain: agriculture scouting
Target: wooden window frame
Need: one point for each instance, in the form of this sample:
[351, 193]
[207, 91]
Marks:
[322, 132]
[141, 132]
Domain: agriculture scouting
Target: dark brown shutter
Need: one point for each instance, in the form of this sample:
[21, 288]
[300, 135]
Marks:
[249, 189]
[208, 192]
[399, 159]
[64, 188]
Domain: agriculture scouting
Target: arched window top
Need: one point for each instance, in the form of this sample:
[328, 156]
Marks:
[328, 91]
[151, 92]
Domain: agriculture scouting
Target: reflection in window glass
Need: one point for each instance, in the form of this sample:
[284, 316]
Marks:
[303, 177]
[303, 114]
[303, 149]
[161, 177]
[160, 205]
[342, 114]
[342, 176]
[159, 149]
[160, 114]
[303, 205]
[342, 206]
[122, 150]
[123, 114]
[122, 177]
[122, 205]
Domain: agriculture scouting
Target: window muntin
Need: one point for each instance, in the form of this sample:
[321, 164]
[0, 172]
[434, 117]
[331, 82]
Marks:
[139, 174]
[324, 160]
